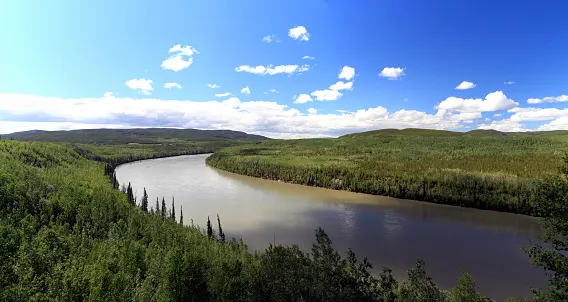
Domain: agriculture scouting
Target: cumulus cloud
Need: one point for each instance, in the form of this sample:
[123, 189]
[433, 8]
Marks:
[142, 85]
[312, 111]
[222, 95]
[465, 85]
[245, 90]
[392, 73]
[536, 114]
[302, 99]
[272, 70]
[493, 102]
[340, 85]
[213, 86]
[509, 83]
[299, 32]
[549, 99]
[504, 125]
[108, 94]
[181, 57]
[308, 58]
[270, 39]
[26, 112]
[172, 85]
[326, 95]
[347, 73]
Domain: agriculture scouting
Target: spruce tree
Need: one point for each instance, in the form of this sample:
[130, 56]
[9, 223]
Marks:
[173, 217]
[144, 202]
[130, 195]
[157, 205]
[221, 234]
[164, 209]
[209, 228]
[181, 215]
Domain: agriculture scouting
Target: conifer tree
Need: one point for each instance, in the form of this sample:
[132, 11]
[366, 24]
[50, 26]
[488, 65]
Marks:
[209, 228]
[130, 195]
[221, 234]
[181, 215]
[173, 216]
[164, 209]
[157, 205]
[144, 202]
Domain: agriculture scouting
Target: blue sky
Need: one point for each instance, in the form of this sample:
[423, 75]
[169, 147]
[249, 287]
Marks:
[59, 59]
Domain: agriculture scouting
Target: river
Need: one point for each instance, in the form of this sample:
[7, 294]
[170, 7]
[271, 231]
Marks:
[390, 232]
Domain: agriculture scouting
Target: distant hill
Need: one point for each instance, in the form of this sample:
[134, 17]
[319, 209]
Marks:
[445, 133]
[125, 136]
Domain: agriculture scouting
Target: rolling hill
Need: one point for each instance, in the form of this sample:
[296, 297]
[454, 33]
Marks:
[125, 136]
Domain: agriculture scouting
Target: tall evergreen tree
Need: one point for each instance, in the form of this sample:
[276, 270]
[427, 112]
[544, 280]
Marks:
[180, 215]
[164, 209]
[173, 216]
[221, 234]
[209, 228]
[158, 205]
[130, 195]
[144, 202]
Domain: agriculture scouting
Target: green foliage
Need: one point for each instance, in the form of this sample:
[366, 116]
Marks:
[551, 201]
[476, 170]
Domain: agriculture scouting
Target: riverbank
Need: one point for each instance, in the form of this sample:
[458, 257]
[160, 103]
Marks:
[484, 172]
[68, 234]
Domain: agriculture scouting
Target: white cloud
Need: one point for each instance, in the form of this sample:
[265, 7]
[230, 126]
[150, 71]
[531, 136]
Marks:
[347, 73]
[108, 94]
[245, 90]
[340, 85]
[270, 39]
[172, 85]
[405, 99]
[181, 57]
[497, 114]
[299, 32]
[142, 85]
[326, 95]
[560, 123]
[392, 73]
[272, 70]
[302, 99]
[27, 112]
[271, 91]
[465, 85]
[493, 102]
[536, 114]
[509, 83]
[308, 58]
[342, 111]
[213, 86]
[312, 111]
[549, 99]
[222, 95]
[503, 125]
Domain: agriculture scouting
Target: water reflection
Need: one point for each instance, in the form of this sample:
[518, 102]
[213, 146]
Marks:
[389, 231]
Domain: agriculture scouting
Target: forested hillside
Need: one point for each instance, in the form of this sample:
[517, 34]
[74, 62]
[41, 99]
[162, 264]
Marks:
[480, 169]
[125, 136]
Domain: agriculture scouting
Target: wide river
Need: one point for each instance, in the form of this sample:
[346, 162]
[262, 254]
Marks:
[390, 232]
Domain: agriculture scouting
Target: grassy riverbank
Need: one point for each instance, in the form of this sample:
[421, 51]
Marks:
[480, 169]
[67, 234]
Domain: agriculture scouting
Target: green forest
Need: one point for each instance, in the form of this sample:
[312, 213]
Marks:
[70, 232]
[479, 169]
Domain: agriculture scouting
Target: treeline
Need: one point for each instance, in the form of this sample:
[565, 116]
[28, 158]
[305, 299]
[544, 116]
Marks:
[475, 190]
[495, 173]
